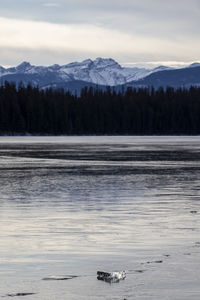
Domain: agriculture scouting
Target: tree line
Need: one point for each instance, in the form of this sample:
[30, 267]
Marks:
[95, 112]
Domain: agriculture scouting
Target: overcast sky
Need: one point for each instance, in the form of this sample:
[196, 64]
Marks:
[130, 31]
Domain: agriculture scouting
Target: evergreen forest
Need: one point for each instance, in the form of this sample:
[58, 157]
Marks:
[143, 111]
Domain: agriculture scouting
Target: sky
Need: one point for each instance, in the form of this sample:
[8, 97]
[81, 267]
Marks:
[133, 32]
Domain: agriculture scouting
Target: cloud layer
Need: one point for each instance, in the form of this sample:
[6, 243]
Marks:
[129, 30]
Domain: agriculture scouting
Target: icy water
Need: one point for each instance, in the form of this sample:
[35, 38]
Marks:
[76, 205]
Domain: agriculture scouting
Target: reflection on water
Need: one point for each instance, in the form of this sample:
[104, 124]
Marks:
[74, 205]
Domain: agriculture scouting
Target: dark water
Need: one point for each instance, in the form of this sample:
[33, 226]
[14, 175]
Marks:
[75, 205]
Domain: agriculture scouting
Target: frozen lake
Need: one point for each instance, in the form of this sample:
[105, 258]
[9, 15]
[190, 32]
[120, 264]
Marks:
[76, 205]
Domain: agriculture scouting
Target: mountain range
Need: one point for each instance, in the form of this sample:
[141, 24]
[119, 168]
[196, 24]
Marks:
[102, 72]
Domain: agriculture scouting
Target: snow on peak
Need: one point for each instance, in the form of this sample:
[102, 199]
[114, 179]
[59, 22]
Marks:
[23, 66]
[105, 62]
[103, 71]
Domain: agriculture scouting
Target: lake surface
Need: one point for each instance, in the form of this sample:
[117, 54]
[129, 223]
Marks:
[76, 205]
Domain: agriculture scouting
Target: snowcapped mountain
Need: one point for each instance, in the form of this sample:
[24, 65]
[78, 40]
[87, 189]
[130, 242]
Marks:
[101, 71]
